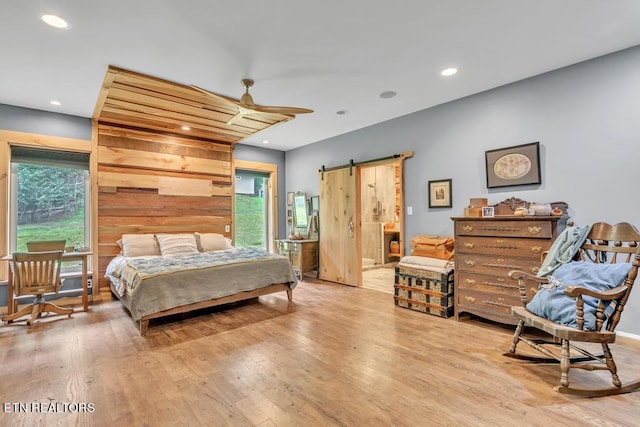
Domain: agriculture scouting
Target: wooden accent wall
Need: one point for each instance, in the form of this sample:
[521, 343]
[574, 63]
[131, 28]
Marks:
[150, 182]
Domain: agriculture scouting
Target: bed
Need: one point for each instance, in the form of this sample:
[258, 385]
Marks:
[160, 275]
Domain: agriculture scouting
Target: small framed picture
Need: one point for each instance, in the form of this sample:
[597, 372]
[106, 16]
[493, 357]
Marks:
[440, 193]
[487, 212]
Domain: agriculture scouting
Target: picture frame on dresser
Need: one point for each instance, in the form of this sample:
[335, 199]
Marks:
[515, 165]
[440, 193]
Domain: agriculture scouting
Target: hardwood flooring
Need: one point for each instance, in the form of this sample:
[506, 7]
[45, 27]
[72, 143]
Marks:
[379, 279]
[337, 355]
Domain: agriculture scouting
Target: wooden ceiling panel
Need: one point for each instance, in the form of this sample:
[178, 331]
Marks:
[139, 101]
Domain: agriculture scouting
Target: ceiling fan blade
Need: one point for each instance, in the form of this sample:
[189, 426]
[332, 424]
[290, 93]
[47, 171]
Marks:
[242, 111]
[245, 105]
[235, 118]
[291, 111]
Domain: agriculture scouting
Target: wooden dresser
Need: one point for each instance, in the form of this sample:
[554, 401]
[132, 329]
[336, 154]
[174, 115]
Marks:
[486, 249]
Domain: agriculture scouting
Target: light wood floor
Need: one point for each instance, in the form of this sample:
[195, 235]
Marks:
[379, 279]
[337, 355]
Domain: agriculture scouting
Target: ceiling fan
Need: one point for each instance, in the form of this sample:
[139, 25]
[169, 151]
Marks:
[246, 106]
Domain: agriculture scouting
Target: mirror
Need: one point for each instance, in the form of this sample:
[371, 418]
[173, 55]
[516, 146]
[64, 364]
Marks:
[300, 212]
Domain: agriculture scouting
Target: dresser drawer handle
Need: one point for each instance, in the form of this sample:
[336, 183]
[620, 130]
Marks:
[501, 285]
[467, 228]
[470, 299]
[534, 229]
[499, 304]
[536, 249]
[469, 262]
[470, 281]
[469, 245]
[509, 266]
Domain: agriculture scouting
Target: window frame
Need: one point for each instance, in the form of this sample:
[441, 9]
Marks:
[10, 138]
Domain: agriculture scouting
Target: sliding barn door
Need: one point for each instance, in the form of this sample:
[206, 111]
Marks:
[340, 252]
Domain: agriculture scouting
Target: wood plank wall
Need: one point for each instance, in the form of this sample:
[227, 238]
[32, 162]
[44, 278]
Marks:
[150, 182]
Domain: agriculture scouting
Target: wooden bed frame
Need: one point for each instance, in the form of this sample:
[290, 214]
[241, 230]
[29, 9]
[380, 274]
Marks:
[240, 296]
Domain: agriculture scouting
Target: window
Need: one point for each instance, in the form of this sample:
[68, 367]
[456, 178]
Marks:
[50, 197]
[251, 209]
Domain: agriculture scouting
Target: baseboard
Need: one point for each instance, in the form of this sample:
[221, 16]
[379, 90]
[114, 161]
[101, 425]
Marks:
[628, 336]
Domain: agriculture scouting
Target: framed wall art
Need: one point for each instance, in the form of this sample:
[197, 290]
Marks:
[440, 193]
[517, 165]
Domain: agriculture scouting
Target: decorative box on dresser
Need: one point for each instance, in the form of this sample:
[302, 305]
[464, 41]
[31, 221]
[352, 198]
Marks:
[486, 249]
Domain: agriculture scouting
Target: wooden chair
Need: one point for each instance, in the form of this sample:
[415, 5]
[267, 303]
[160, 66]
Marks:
[36, 273]
[606, 244]
[46, 245]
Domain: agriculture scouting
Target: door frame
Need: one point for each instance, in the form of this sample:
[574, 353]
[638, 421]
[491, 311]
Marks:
[272, 199]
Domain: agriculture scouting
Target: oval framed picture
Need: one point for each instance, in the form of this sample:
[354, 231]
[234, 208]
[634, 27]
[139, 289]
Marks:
[516, 165]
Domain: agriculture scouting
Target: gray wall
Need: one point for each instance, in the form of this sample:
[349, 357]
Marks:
[586, 118]
[35, 121]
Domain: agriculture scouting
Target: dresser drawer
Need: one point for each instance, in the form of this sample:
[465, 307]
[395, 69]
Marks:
[475, 301]
[492, 284]
[529, 248]
[498, 265]
[285, 247]
[505, 228]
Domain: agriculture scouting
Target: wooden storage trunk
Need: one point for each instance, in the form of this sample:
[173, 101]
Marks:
[424, 290]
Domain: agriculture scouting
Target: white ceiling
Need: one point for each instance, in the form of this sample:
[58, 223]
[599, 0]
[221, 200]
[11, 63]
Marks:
[325, 55]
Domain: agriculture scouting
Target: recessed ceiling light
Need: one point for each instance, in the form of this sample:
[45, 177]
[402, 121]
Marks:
[448, 72]
[388, 94]
[55, 102]
[265, 141]
[341, 112]
[54, 21]
[186, 128]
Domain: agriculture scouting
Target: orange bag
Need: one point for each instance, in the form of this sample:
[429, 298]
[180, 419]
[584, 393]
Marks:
[432, 247]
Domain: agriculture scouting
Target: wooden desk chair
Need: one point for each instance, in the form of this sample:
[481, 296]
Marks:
[605, 245]
[36, 273]
[46, 245]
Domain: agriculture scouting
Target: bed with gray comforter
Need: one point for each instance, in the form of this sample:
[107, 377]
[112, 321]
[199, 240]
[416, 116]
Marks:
[157, 286]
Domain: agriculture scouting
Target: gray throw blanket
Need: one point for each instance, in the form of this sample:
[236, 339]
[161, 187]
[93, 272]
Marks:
[564, 248]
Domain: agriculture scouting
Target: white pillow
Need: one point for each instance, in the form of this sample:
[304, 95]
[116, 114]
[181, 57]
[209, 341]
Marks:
[208, 242]
[177, 244]
[139, 245]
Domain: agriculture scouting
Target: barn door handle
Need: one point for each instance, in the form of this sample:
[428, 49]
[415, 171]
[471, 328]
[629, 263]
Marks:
[351, 227]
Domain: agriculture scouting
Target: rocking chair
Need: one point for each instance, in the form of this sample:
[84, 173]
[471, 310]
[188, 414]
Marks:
[595, 312]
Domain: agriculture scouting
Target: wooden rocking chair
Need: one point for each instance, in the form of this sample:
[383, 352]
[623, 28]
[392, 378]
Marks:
[605, 244]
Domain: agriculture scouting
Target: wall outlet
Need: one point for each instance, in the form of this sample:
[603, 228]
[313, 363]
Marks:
[409, 210]
[227, 228]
